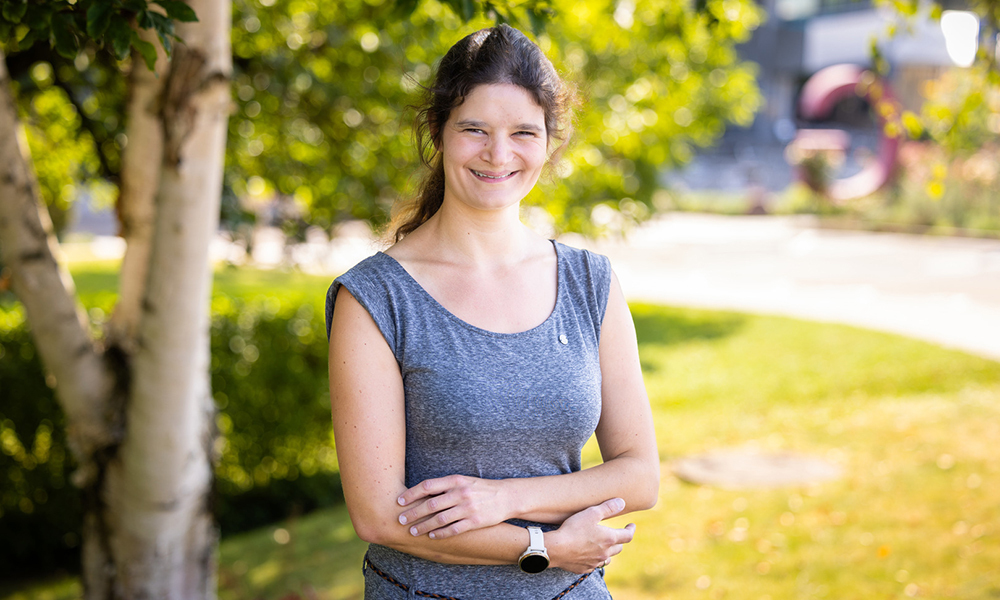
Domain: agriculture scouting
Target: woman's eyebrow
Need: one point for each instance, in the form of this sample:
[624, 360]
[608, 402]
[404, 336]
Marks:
[529, 127]
[483, 125]
[470, 123]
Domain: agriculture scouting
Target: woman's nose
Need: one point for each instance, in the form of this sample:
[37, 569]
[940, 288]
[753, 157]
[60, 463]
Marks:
[498, 151]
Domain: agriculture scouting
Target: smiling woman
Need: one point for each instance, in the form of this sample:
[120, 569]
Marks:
[471, 361]
[493, 147]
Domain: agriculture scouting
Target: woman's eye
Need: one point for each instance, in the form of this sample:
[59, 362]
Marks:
[526, 133]
[471, 130]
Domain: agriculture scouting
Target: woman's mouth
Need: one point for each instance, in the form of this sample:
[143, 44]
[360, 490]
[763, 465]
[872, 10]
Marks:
[493, 176]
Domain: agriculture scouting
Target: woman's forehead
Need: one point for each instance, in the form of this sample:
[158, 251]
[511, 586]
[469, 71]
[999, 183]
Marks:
[505, 102]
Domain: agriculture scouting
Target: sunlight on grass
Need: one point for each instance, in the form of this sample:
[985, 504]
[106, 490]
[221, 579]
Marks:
[97, 281]
[313, 555]
[914, 427]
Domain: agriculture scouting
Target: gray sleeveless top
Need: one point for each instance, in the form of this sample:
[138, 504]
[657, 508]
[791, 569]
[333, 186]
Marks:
[489, 405]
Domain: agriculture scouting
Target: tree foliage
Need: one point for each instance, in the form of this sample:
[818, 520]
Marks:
[962, 108]
[66, 25]
[323, 91]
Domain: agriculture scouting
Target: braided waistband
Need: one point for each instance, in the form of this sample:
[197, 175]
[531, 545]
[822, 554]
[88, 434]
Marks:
[368, 565]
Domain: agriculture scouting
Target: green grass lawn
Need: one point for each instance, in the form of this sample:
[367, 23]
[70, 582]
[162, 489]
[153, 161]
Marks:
[916, 429]
[98, 280]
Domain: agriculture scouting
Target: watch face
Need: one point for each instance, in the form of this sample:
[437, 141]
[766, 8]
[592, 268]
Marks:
[534, 563]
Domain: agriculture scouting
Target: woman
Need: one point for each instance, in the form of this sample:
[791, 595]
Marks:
[471, 361]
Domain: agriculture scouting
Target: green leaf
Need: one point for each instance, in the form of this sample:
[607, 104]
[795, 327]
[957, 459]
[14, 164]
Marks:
[404, 8]
[147, 50]
[65, 38]
[120, 36]
[180, 11]
[98, 19]
[538, 18]
[144, 19]
[37, 18]
[13, 10]
[164, 28]
[468, 10]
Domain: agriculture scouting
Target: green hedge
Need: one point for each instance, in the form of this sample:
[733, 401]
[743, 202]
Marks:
[269, 379]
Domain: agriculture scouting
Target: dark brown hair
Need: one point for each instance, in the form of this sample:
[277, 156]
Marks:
[499, 54]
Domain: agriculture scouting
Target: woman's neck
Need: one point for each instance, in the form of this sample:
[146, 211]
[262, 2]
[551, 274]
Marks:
[483, 238]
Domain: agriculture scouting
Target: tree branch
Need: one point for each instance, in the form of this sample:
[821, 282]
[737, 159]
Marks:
[28, 247]
[140, 177]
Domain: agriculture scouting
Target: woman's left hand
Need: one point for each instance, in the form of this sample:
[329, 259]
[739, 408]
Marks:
[448, 506]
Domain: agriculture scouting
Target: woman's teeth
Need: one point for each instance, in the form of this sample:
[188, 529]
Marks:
[492, 176]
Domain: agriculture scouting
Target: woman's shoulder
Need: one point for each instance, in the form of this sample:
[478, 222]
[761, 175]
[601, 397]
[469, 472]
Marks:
[598, 265]
[371, 282]
[586, 277]
[373, 266]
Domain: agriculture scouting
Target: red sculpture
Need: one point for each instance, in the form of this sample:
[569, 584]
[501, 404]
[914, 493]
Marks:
[820, 95]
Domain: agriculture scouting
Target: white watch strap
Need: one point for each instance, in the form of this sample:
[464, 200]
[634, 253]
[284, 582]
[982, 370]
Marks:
[537, 540]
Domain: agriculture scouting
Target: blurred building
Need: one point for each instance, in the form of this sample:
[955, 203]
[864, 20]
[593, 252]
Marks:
[799, 38]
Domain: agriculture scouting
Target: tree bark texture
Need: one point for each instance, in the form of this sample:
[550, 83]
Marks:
[85, 383]
[159, 535]
[140, 415]
[140, 178]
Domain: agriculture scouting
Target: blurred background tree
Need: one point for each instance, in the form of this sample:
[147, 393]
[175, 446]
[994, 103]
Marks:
[323, 91]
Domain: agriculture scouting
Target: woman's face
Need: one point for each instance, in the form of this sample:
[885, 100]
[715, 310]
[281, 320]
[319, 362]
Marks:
[493, 146]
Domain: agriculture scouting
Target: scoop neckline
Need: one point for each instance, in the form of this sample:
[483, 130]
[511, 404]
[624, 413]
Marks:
[440, 307]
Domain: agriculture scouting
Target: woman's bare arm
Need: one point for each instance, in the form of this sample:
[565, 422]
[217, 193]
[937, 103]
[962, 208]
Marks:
[369, 421]
[448, 506]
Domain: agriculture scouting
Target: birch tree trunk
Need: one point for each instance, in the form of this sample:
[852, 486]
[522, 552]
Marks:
[140, 180]
[85, 382]
[159, 538]
[140, 417]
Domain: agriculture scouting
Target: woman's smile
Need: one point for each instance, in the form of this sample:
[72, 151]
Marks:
[493, 176]
[493, 147]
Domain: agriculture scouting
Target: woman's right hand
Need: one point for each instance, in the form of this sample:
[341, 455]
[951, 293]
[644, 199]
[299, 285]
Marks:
[582, 544]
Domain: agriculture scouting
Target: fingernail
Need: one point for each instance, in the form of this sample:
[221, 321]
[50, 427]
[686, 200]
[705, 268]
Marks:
[431, 535]
[401, 501]
[402, 520]
[413, 531]
[619, 504]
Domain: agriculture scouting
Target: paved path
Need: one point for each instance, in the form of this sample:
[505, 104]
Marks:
[944, 290]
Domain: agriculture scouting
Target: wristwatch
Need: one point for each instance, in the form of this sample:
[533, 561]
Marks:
[535, 559]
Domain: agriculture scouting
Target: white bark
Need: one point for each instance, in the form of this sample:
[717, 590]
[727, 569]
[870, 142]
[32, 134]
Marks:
[140, 178]
[85, 384]
[161, 536]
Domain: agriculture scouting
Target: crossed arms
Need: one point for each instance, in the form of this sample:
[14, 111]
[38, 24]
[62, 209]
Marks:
[460, 519]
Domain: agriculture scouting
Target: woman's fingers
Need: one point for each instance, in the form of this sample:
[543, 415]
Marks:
[428, 487]
[451, 505]
[583, 544]
[607, 509]
[444, 524]
[625, 535]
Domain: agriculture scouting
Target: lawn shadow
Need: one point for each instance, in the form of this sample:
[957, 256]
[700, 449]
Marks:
[665, 325]
[315, 556]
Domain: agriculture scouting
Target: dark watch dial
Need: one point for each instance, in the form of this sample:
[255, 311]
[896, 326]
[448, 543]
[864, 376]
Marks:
[534, 563]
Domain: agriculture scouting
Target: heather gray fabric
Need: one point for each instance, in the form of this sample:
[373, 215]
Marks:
[489, 405]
